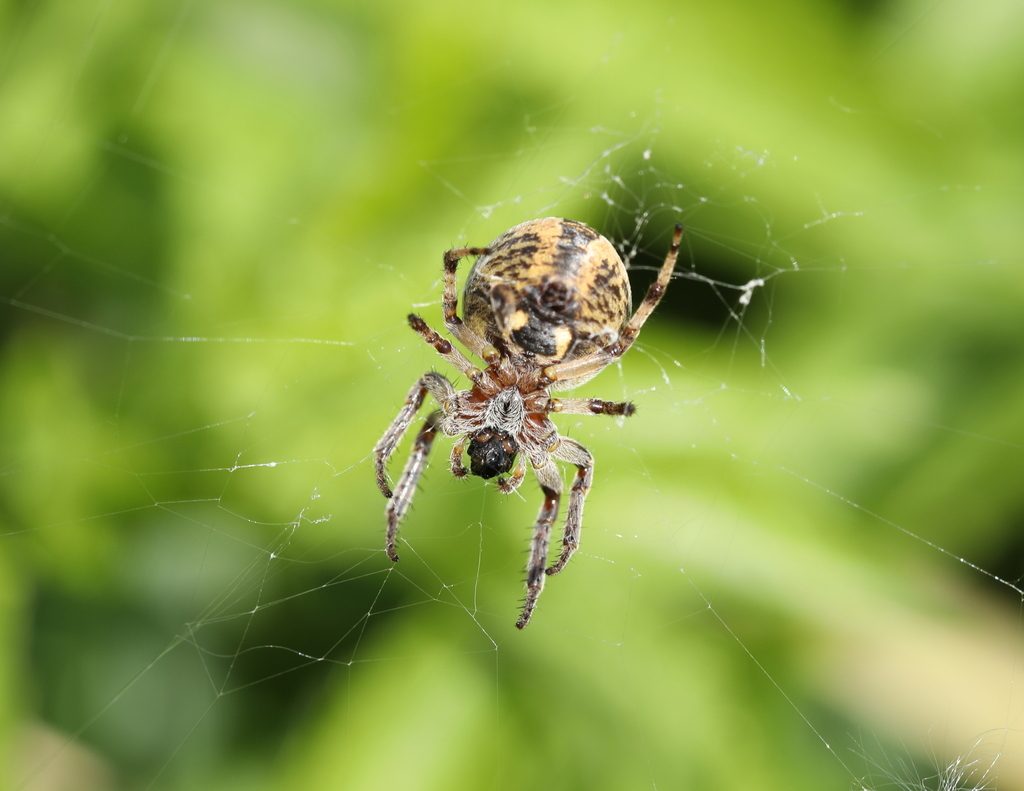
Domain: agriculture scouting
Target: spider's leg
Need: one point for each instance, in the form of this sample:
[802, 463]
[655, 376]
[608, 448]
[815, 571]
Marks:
[571, 451]
[444, 347]
[510, 484]
[654, 295]
[431, 382]
[455, 461]
[450, 300]
[591, 406]
[398, 505]
[592, 363]
[551, 484]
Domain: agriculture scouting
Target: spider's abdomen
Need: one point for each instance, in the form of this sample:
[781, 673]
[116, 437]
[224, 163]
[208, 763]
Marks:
[552, 288]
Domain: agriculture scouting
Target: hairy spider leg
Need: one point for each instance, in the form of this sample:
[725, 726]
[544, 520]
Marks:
[450, 301]
[602, 357]
[591, 406]
[510, 484]
[440, 388]
[551, 484]
[398, 505]
[444, 347]
[455, 461]
[573, 452]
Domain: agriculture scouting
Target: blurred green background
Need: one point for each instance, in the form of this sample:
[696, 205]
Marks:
[801, 560]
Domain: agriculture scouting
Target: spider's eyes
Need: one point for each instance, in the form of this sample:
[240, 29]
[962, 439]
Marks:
[491, 453]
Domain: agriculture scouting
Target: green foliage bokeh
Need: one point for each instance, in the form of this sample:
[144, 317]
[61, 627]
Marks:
[214, 217]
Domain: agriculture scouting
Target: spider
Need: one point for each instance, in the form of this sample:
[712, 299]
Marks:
[545, 307]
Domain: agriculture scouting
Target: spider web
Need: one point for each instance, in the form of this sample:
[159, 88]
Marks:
[799, 565]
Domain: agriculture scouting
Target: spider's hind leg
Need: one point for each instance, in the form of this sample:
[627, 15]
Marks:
[399, 503]
[592, 363]
[450, 301]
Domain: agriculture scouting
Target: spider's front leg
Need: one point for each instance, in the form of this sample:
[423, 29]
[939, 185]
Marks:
[399, 499]
[399, 503]
[571, 451]
[430, 382]
[551, 484]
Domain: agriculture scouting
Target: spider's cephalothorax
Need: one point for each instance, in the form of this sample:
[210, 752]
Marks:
[491, 453]
[546, 307]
